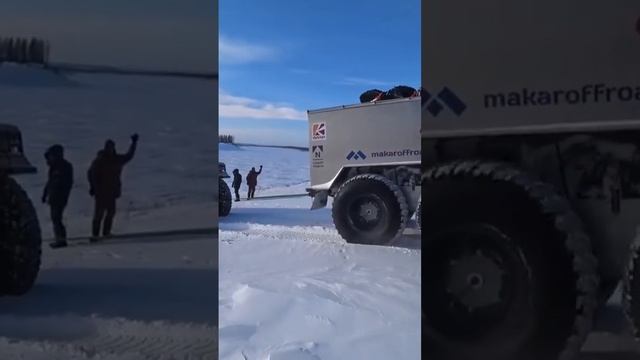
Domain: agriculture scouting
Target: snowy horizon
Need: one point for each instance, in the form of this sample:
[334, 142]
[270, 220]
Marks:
[149, 34]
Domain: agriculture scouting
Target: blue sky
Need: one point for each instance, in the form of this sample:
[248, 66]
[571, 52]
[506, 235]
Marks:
[150, 34]
[279, 58]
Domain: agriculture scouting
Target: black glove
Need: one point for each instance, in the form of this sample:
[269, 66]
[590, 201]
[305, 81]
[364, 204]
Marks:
[134, 137]
[44, 199]
[92, 192]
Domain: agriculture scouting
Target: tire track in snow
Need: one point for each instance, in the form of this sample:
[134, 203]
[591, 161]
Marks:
[319, 235]
[158, 341]
[123, 339]
[153, 347]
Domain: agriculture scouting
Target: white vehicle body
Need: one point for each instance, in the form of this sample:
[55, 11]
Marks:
[550, 91]
[379, 140]
[570, 75]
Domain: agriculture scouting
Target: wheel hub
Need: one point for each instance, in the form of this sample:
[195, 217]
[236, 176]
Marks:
[369, 211]
[475, 281]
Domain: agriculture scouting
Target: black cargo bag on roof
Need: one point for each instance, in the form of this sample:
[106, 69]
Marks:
[370, 95]
[400, 92]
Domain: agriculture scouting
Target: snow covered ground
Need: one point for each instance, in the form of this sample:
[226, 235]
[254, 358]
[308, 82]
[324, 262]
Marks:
[282, 167]
[174, 171]
[144, 298]
[292, 289]
[150, 298]
[611, 338]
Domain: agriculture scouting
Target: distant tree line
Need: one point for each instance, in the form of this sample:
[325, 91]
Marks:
[24, 50]
[227, 139]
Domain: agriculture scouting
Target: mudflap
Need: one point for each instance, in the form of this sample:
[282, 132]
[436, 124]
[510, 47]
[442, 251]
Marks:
[320, 200]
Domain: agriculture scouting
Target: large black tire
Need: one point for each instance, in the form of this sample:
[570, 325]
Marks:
[370, 209]
[631, 289]
[225, 200]
[510, 273]
[21, 239]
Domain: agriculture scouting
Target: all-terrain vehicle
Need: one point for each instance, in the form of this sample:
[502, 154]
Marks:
[224, 196]
[531, 174]
[20, 235]
[367, 157]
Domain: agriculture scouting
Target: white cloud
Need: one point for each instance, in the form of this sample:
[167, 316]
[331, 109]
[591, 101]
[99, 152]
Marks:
[362, 81]
[241, 107]
[240, 52]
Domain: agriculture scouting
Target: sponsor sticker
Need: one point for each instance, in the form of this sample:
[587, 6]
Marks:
[396, 153]
[445, 99]
[356, 155]
[317, 152]
[319, 131]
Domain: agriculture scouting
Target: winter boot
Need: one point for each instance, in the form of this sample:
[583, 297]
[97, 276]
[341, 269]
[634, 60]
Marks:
[58, 244]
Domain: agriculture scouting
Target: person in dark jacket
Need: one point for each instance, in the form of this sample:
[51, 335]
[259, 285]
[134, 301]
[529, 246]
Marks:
[105, 184]
[57, 190]
[237, 182]
[252, 181]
